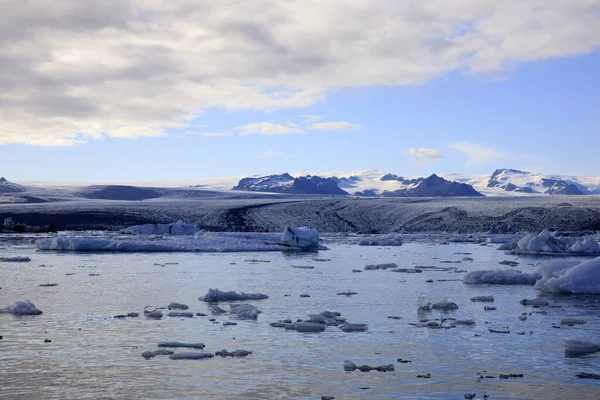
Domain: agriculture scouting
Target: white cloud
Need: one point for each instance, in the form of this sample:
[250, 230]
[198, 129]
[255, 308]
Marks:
[130, 68]
[209, 134]
[476, 153]
[340, 126]
[423, 154]
[267, 129]
[279, 154]
[311, 119]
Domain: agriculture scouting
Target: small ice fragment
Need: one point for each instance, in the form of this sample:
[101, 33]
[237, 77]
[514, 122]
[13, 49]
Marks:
[308, 327]
[534, 302]
[182, 344]
[488, 299]
[177, 306]
[15, 259]
[444, 305]
[244, 311]
[215, 295]
[572, 321]
[302, 237]
[181, 314]
[235, 353]
[354, 327]
[190, 356]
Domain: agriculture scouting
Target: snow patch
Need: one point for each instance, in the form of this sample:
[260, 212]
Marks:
[500, 277]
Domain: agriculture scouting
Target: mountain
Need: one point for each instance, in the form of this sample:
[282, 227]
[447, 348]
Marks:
[9, 187]
[512, 180]
[432, 186]
[270, 183]
[394, 186]
[285, 183]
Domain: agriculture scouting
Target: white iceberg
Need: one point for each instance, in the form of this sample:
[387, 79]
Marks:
[500, 277]
[176, 228]
[22, 308]
[201, 242]
[216, 295]
[571, 277]
[302, 237]
[390, 239]
[547, 243]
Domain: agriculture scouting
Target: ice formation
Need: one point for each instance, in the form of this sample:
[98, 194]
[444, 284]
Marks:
[244, 311]
[191, 356]
[444, 305]
[391, 239]
[201, 241]
[500, 277]
[216, 295]
[578, 348]
[22, 308]
[176, 228]
[303, 237]
[15, 259]
[353, 327]
[182, 344]
[547, 243]
[570, 276]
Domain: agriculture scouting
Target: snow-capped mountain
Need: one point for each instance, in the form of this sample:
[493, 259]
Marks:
[285, 183]
[514, 182]
[370, 184]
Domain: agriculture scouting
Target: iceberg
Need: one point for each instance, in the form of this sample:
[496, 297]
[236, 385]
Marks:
[570, 277]
[244, 311]
[200, 241]
[578, 348]
[500, 277]
[176, 228]
[303, 237]
[547, 243]
[216, 295]
[22, 308]
[391, 239]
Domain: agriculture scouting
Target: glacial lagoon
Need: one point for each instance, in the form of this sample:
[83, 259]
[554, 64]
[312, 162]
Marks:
[91, 354]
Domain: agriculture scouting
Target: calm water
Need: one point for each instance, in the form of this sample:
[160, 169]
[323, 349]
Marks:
[93, 355]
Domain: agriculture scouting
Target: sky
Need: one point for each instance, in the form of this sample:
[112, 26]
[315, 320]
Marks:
[153, 90]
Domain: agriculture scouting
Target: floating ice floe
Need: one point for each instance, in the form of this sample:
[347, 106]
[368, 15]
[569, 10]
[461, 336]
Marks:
[578, 348]
[444, 305]
[308, 239]
[372, 267]
[350, 366]
[216, 295]
[570, 276]
[538, 301]
[191, 356]
[235, 353]
[303, 237]
[484, 299]
[176, 228]
[182, 344]
[572, 321]
[15, 259]
[391, 239]
[244, 311]
[500, 277]
[354, 327]
[549, 244]
[22, 308]
[159, 352]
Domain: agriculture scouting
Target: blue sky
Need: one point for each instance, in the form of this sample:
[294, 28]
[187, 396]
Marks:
[535, 114]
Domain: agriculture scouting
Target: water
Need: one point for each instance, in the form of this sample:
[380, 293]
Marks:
[93, 355]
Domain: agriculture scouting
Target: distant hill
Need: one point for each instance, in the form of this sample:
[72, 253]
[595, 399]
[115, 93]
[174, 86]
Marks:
[9, 187]
[118, 192]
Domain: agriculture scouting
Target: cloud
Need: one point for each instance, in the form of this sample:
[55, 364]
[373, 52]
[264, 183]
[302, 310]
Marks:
[71, 72]
[279, 154]
[267, 129]
[423, 154]
[311, 119]
[340, 126]
[209, 134]
[476, 153]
